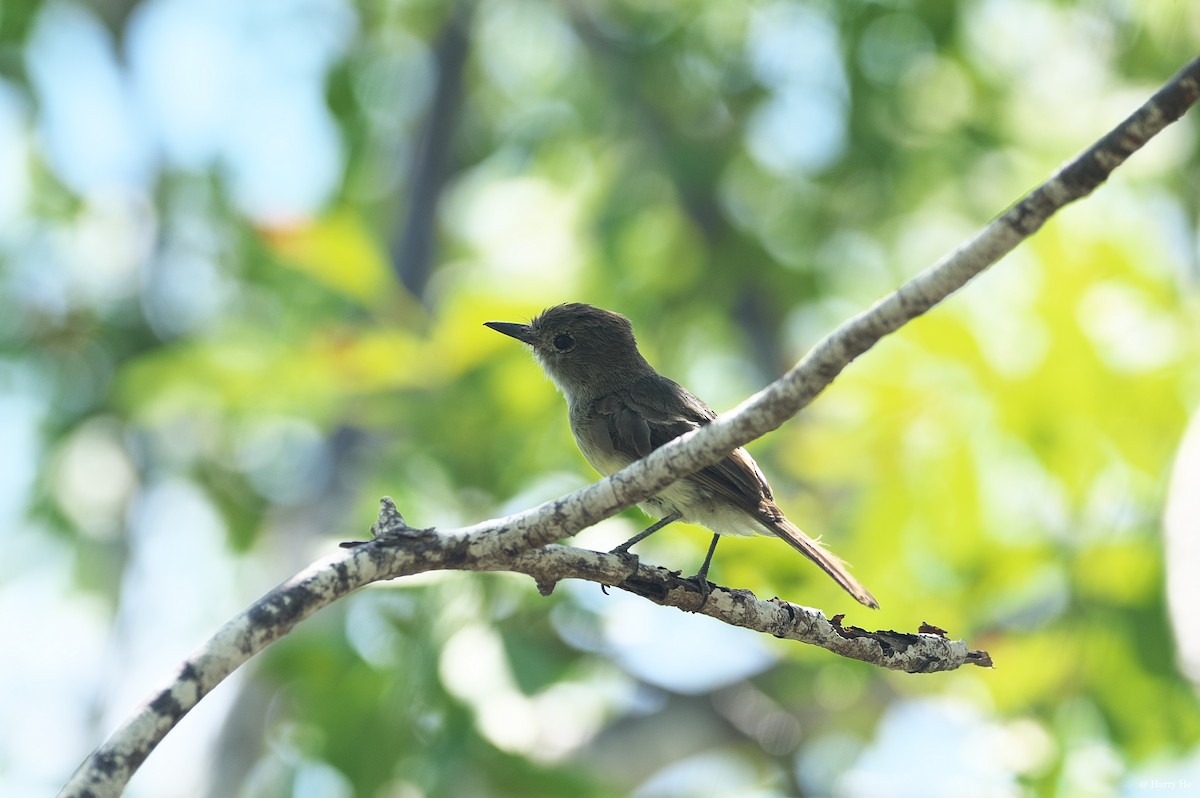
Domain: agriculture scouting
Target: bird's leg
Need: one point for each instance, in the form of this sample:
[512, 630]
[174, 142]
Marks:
[702, 575]
[645, 533]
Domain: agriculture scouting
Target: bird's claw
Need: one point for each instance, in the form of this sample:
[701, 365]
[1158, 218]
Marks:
[702, 584]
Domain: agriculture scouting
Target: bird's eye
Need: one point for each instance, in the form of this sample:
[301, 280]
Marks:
[563, 342]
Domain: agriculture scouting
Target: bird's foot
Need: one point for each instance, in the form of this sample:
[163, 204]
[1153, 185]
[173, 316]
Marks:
[700, 580]
[628, 557]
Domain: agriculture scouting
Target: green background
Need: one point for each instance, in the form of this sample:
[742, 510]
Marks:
[200, 393]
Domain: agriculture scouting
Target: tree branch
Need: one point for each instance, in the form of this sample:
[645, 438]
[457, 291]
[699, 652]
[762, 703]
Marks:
[925, 652]
[509, 543]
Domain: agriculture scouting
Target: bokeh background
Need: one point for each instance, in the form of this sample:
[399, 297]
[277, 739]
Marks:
[246, 250]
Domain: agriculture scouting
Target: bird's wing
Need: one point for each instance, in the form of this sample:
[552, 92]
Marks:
[655, 410]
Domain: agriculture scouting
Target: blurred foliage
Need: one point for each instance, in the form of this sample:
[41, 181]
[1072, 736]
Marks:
[737, 179]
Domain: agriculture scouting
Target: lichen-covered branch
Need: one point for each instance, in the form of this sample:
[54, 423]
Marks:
[920, 652]
[521, 542]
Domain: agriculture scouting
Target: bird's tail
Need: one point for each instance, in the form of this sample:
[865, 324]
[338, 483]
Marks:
[828, 562]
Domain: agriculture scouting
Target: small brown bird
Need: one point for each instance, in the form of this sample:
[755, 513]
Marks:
[621, 409]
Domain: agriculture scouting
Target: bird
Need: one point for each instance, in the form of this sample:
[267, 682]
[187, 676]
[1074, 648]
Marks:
[620, 409]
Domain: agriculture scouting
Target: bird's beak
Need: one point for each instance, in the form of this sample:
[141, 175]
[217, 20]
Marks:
[513, 330]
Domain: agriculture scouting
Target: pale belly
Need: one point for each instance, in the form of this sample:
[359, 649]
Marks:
[697, 505]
